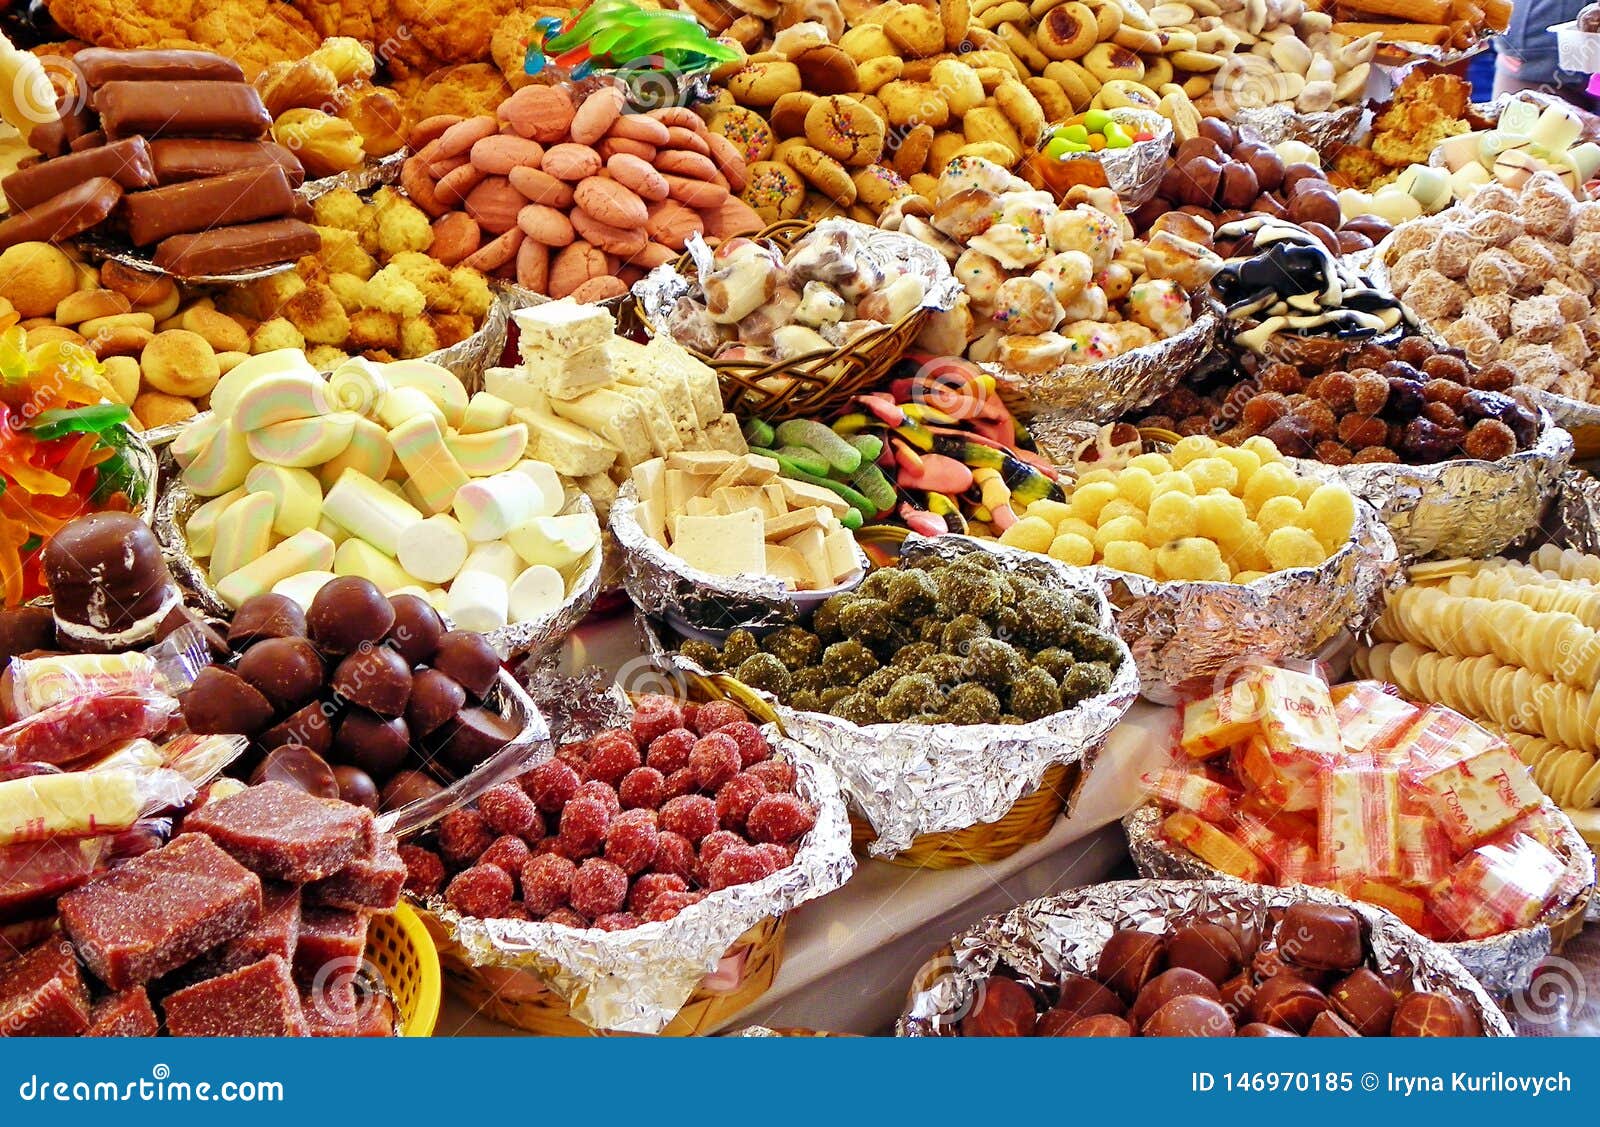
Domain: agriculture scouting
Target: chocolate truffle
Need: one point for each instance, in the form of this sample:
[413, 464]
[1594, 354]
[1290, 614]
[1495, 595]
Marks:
[299, 767]
[288, 671]
[417, 629]
[1330, 1024]
[435, 700]
[1130, 959]
[1256, 1029]
[1208, 949]
[1096, 1025]
[266, 616]
[376, 678]
[220, 701]
[311, 726]
[25, 629]
[407, 787]
[1082, 996]
[1190, 1016]
[1167, 985]
[1003, 1008]
[1426, 1014]
[472, 737]
[1321, 937]
[1288, 1003]
[356, 787]
[347, 611]
[1365, 1001]
[468, 660]
[110, 584]
[372, 743]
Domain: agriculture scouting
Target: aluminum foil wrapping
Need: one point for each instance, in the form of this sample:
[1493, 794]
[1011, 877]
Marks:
[634, 981]
[384, 170]
[1463, 508]
[1044, 939]
[468, 358]
[1135, 172]
[1565, 412]
[1103, 392]
[1503, 964]
[1574, 517]
[1322, 131]
[515, 642]
[911, 779]
[697, 602]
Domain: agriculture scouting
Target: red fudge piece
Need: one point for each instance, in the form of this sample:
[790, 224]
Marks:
[376, 1017]
[42, 994]
[276, 932]
[332, 1010]
[258, 1001]
[282, 832]
[128, 1014]
[332, 945]
[369, 883]
[150, 916]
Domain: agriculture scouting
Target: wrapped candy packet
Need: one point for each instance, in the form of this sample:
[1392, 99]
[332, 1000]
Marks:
[35, 871]
[39, 807]
[84, 727]
[30, 685]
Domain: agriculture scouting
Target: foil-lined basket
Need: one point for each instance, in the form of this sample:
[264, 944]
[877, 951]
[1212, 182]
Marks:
[372, 174]
[1042, 940]
[635, 981]
[1465, 508]
[514, 642]
[1503, 964]
[1134, 173]
[698, 604]
[1573, 520]
[912, 779]
[1105, 391]
[1323, 131]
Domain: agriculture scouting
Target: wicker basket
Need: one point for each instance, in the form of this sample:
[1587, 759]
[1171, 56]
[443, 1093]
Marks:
[809, 386]
[518, 998]
[400, 947]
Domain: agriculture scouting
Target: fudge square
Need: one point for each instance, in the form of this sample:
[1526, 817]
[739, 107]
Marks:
[371, 882]
[160, 910]
[128, 1014]
[282, 832]
[42, 993]
[275, 932]
[259, 1000]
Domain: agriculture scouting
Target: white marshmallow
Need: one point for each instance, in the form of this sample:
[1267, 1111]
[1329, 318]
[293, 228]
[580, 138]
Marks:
[536, 592]
[367, 509]
[433, 549]
[557, 542]
[494, 559]
[478, 600]
[302, 588]
[489, 507]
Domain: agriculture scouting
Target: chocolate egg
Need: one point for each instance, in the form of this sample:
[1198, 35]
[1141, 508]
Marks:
[372, 743]
[1239, 185]
[110, 582]
[468, 660]
[1189, 1016]
[1288, 1003]
[347, 611]
[376, 678]
[1095, 1025]
[288, 671]
[299, 767]
[1220, 132]
[1294, 173]
[1130, 959]
[222, 701]
[472, 736]
[266, 616]
[311, 726]
[435, 700]
[356, 787]
[1200, 146]
[1002, 1008]
[1315, 205]
[1166, 986]
[1208, 949]
[416, 631]
[1351, 242]
[407, 787]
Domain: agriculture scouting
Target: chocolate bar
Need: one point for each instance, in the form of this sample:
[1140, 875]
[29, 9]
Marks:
[198, 205]
[225, 250]
[101, 65]
[88, 141]
[127, 162]
[191, 158]
[62, 216]
[181, 109]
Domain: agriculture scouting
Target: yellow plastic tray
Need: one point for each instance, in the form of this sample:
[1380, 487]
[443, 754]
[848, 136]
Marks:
[404, 953]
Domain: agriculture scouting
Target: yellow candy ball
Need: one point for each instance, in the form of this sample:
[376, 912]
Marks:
[1194, 446]
[1174, 481]
[1121, 507]
[1278, 512]
[1089, 477]
[1123, 528]
[1195, 560]
[1212, 473]
[1294, 547]
[1330, 516]
[1263, 448]
[1137, 484]
[1304, 487]
[1246, 547]
[1088, 500]
[1031, 534]
[1073, 550]
[1246, 462]
[1248, 576]
[1153, 464]
[1219, 515]
[1124, 555]
[1274, 480]
[1053, 511]
[1173, 516]
[1072, 526]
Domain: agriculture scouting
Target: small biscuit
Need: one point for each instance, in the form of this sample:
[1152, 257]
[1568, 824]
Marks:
[122, 373]
[825, 174]
[420, 188]
[459, 139]
[695, 193]
[158, 409]
[533, 266]
[539, 186]
[499, 251]
[639, 127]
[539, 113]
[430, 129]
[596, 115]
[762, 84]
[179, 362]
[227, 361]
[680, 116]
[544, 225]
[620, 241]
[680, 138]
[611, 146]
[494, 203]
[499, 154]
[452, 189]
[637, 175]
[575, 265]
[569, 161]
[135, 285]
[37, 277]
[845, 129]
[679, 163]
[52, 334]
[85, 305]
[220, 331]
[729, 161]
[610, 201]
[775, 191]
[788, 116]
[671, 223]
[455, 237]
[602, 288]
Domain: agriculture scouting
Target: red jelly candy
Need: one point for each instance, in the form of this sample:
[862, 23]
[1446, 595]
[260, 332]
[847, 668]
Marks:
[646, 888]
[42, 993]
[781, 818]
[715, 843]
[599, 887]
[669, 751]
[631, 841]
[678, 784]
[509, 853]
[483, 891]
[714, 714]
[654, 714]
[668, 905]
[331, 945]
[128, 1014]
[259, 1000]
[735, 799]
[776, 774]
[603, 792]
[551, 785]
[674, 855]
[510, 811]
[567, 918]
[547, 883]
[617, 921]
[583, 824]
[279, 831]
[424, 870]
[737, 864]
[692, 815]
[370, 883]
[614, 755]
[714, 760]
[463, 836]
[275, 932]
[753, 746]
[642, 788]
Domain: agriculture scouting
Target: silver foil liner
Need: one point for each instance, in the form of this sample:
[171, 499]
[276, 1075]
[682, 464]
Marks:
[1574, 517]
[384, 170]
[911, 779]
[1103, 392]
[1565, 412]
[515, 642]
[1322, 131]
[1044, 939]
[1503, 963]
[634, 981]
[1135, 172]
[1464, 508]
[698, 602]
[469, 357]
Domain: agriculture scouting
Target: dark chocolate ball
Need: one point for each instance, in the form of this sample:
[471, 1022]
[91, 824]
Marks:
[471, 737]
[347, 611]
[1167, 985]
[1287, 1002]
[435, 700]
[220, 701]
[266, 616]
[311, 726]
[1209, 949]
[376, 678]
[356, 787]
[1095, 1025]
[372, 743]
[417, 629]
[288, 671]
[299, 767]
[468, 660]
[407, 787]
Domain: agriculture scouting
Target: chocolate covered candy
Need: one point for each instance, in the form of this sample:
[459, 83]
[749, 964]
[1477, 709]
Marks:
[228, 250]
[179, 159]
[100, 65]
[376, 744]
[199, 205]
[266, 616]
[64, 215]
[347, 611]
[128, 162]
[376, 678]
[287, 671]
[220, 701]
[469, 660]
[181, 109]
[109, 581]
[1321, 937]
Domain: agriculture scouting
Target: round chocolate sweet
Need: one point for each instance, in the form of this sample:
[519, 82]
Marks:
[1237, 991]
[468, 660]
[1256, 1029]
[417, 629]
[407, 787]
[1208, 949]
[266, 616]
[1167, 985]
[1425, 1014]
[1130, 959]
[299, 767]
[1082, 996]
[1095, 1025]
[1365, 1001]
[288, 671]
[356, 787]
[110, 584]
[435, 700]
[1321, 937]
[1189, 1016]
[472, 736]
[1001, 1008]
[311, 726]
[347, 611]
[376, 678]
[1287, 1002]
[25, 629]
[220, 701]
[372, 743]
[1329, 1024]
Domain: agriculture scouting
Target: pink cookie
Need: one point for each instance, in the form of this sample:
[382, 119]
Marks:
[430, 129]
[611, 146]
[453, 189]
[680, 138]
[493, 255]
[695, 193]
[575, 265]
[540, 187]
[653, 255]
[599, 289]
[681, 163]
[596, 114]
[419, 186]
[533, 266]
[638, 176]
[539, 113]
[545, 225]
[455, 236]
[499, 154]
[726, 156]
[461, 136]
[620, 241]
[671, 223]
[610, 201]
[494, 203]
[638, 127]
[569, 161]
[681, 116]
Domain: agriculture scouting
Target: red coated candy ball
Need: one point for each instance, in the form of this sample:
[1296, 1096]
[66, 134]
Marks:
[567, 918]
[631, 841]
[781, 818]
[674, 855]
[669, 751]
[642, 788]
[778, 775]
[714, 760]
[551, 785]
[424, 870]
[736, 798]
[517, 911]
[678, 784]
[646, 888]
[509, 811]
[599, 887]
[738, 864]
[547, 883]
[654, 714]
[602, 792]
[692, 815]
[483, 891]
[575, 755]
[583, 824]
[753, 746]
[714, 844]
[463, 835]
[614, 755]
[617, 921]
[510, 853]
[780, 856]
[714, 714]
[668, 905]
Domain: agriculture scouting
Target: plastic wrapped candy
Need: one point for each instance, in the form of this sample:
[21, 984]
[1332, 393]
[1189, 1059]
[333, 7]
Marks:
[81, 728]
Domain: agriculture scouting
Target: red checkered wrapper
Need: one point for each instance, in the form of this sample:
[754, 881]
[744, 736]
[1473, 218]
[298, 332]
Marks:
[1480, 796]
[1358, 819]
[1297, 717]
[1188, 790]
[1282, 784]
[1371, 720]
[1438, 739]
[1290, 856]
[1425, 853]
[1497, 887]
[1215, 723]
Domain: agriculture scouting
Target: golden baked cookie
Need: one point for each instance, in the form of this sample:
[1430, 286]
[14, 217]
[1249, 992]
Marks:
[911, 155]
[746, 130]
[824, 174]
[845, 129]
[255, 32]
[775, 191]
[877, 186]
[419, 36]
[916, 31]
[466, 91]
[763, 83]
[827, 69]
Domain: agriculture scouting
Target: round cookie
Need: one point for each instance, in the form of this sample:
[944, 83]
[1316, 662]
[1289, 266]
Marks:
[734, 217]
[575, 265]
[500, 153]
[179, 362]
[824, 173]
[750, 136]
[493, 255]
[545, 225]
[788, 116]
[775, 191]
[680, 163]
[639, 127]
[671, 223]
[762, 84]
[637, 176]
[845, 129]
[540, 187]
[539, 113]
[680, 138]
[609, 201]
[570, 161]
[455, 236]
[620, 241]
[597, 114]
[680, 116]
[877, 186]
[602, 288]
[461, 136]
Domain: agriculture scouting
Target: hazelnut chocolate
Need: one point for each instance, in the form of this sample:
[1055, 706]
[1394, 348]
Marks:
[468, 660]
[287, 671]
[376, 744]
[1256, 1029]
[299, 767]
[266, 616]
[1365, 1001]
[472, 737]
[311, 726]
[1082, 996]
[1287, 1002]
[1207, 949]
[347, 611]
[1329, 1024]
[1166, 986]
[1003, 1008]
[407, 787]
[222, 701]
[356, 787]
[435, 700]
